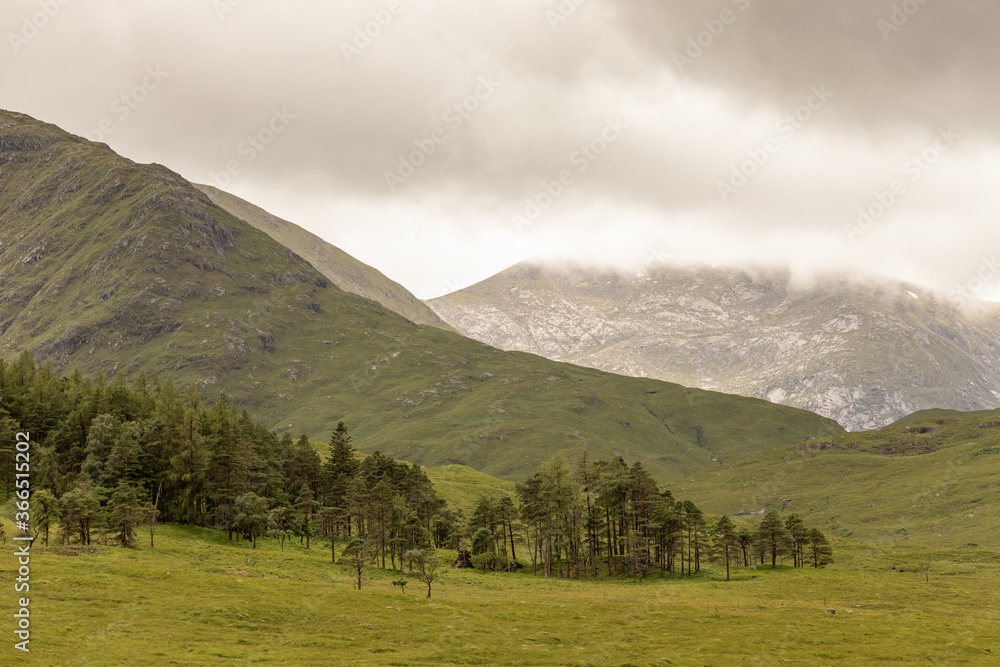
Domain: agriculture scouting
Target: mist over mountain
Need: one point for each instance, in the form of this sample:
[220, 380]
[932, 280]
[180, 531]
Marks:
[863, 352]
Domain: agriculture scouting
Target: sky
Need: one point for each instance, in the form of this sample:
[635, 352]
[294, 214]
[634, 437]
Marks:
[442, 141]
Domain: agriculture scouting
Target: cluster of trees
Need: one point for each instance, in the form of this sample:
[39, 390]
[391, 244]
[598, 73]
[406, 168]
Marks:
[607, 517]
[113, 457]
[109, 458]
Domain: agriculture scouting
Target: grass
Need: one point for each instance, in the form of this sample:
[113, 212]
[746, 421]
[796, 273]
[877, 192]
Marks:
[934, 480]
[462, 487]
[196, 599]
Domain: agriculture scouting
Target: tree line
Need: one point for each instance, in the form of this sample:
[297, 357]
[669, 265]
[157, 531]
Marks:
[111, 459]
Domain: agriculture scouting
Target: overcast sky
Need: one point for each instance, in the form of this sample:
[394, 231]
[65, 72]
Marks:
[442, 141]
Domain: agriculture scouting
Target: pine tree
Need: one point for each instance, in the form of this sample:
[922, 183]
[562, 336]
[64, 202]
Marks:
[306, 506]
[125, 512]
[820, 551]
[724, 536]
[772, 537]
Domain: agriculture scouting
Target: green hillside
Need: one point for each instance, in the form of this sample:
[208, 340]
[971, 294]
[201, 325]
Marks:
[112, 267]
[934, 480]
[938, 413]
[343, 270]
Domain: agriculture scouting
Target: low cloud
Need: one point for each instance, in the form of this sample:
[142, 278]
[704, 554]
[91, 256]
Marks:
[370, 84]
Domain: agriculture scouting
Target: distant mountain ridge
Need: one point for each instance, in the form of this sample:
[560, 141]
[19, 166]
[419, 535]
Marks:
[344, 271]
[863, 354]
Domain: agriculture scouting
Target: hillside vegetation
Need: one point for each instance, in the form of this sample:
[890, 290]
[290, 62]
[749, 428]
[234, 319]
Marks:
[933, 480]
[110, 267]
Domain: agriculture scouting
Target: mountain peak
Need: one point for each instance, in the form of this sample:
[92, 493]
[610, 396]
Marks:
[864, 350]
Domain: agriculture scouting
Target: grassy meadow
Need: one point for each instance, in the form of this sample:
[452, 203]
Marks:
[197, 599]
[933, 479]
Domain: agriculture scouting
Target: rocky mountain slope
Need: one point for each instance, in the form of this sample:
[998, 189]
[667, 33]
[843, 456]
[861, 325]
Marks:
[115, 267]
[344, 271]
[864, 354]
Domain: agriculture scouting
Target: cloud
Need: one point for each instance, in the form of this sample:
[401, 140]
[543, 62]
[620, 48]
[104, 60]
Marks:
[893, 62]
[418, 133]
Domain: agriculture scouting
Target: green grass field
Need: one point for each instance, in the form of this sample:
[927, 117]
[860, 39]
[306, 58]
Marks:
[197, 599]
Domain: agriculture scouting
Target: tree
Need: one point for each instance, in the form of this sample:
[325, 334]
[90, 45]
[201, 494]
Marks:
[744, 537]
[724, 535]
[328, 518]
[359, 554]
[45, 508]
[303, 465]
[80, 507]
[482, 542]
[341, 466]
[126, 511]
[251, 516]
[694, 522]
[8, 429]
[772, 537]
[150, 514]
[126, 453]
[306, 506]
[101, 438]
[637, 555]
[820, 551]
[800, 536]
[427, 565]
[280, 521]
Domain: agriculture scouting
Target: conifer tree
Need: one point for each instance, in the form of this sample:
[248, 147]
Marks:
[772, 538]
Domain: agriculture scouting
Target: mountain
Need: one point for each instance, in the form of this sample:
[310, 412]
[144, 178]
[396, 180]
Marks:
[862, 353]
[934, 480]
[108, 266]
[343, 270]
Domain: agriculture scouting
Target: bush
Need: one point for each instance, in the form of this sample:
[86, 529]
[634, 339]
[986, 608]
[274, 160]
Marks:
[494, 563]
